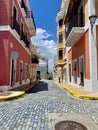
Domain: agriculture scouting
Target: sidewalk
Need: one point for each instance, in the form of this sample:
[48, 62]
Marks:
[16, 92]
[78, 91]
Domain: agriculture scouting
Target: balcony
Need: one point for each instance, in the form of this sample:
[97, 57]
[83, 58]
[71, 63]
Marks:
[75, 30]
[29, 20]
[61, 62]
[15, 25]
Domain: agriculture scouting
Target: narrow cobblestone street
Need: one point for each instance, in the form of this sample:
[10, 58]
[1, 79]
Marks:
[31, 111]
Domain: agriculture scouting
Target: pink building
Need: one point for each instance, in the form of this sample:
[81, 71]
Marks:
[16, 28]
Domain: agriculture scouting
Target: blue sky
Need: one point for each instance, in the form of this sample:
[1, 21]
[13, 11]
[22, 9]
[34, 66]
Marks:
[45, 13]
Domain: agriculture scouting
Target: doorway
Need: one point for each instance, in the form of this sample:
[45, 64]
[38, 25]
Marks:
[38, 75]
[69, 72]
[81, 71]
[25, 74]
[75, 71]
[13, 72]
[21, 69]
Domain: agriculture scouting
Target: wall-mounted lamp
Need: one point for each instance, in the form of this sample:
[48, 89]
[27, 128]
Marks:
[92, 19]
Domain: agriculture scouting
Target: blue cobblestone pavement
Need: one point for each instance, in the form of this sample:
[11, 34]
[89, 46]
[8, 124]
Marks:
[31, 111]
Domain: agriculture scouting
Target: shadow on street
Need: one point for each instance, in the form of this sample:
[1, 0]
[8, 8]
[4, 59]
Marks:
[42, 86]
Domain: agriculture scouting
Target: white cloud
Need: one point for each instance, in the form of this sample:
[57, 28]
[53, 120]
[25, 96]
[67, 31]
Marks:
[46, 46]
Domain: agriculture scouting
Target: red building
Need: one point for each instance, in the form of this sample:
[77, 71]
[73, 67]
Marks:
[16, 28]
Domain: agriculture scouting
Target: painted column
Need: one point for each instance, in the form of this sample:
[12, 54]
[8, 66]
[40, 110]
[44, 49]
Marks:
[92, 50]
[91, 7]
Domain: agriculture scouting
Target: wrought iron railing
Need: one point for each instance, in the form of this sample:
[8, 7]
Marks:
[76, 21]
[29, 14]
[15, 25]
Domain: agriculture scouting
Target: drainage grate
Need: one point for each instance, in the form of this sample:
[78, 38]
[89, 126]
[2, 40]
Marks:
[69, 125]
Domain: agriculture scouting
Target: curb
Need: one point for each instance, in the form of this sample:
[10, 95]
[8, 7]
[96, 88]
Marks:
[18, 94]
[75, 94]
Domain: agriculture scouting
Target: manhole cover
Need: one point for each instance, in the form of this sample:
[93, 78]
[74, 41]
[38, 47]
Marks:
[69, 125]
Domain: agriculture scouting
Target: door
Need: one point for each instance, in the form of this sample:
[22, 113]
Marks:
[69, 72]
[25, 70]
[21, 69]
[75, 71]
[13, 72]
[82, 71]
[38, 74]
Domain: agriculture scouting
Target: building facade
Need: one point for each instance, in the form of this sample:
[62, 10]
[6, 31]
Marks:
[34, 63]
[62, 58]
[82, 43]
[42, 68]
[16, 28]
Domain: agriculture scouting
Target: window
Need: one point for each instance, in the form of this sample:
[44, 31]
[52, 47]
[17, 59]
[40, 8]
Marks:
[60, 38]
[60, 23]
[81, 18]
[23, 37]
[15, 25]
[81, 15]
[60, 54]
[14, 13]
[21, 27]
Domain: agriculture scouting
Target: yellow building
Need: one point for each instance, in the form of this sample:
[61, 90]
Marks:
[62, 58]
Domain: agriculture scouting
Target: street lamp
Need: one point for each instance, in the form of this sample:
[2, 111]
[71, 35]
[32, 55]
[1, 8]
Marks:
[92, 19]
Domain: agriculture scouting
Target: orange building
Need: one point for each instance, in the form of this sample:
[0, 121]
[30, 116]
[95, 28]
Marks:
[82, 40]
